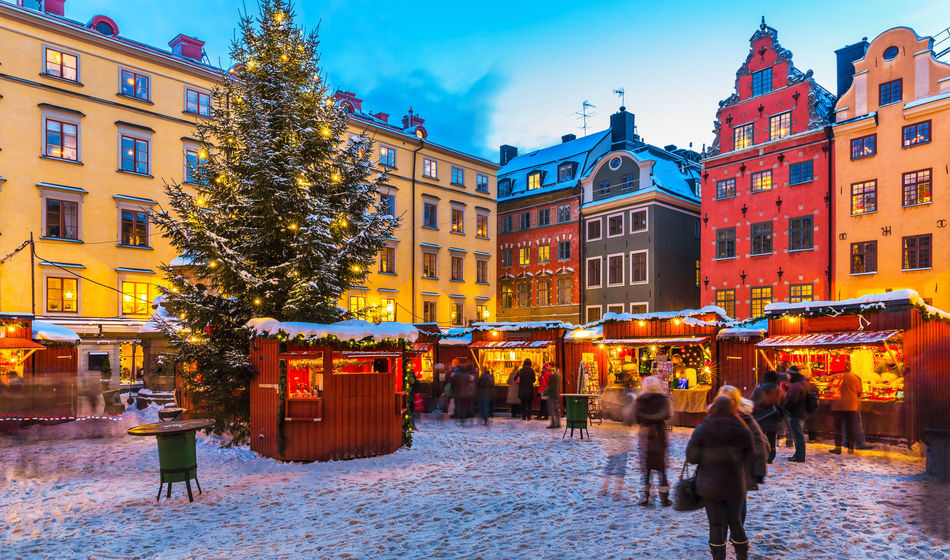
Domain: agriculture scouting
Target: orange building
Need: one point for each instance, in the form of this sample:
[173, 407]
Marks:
[892, 187]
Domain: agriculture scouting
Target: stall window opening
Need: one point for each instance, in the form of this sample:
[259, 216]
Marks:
[305, 377]
[353, 363]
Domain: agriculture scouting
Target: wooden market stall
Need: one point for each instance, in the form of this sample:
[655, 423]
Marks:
[896, 343]
[736, 362]
[327, 392]
[422, 357]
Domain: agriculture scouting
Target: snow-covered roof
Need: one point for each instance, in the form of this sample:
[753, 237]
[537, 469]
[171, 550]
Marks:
[686, 315]
[583, 151]
[350, 330]
[181, 261]
[925, 100]
[670, 174]
[585, 333]
[44, 331]
[457, 340]
[864, 303]
[745, 330]
[521, 326]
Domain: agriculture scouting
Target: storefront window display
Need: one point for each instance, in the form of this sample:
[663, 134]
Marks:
[501, 357]
[305, 377]
[678, 366]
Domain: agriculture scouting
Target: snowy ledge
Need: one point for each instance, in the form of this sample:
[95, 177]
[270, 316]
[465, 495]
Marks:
[351, 330]
[53, 334]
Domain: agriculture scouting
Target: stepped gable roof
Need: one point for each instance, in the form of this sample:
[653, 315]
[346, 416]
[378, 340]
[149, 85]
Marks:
[584, 151]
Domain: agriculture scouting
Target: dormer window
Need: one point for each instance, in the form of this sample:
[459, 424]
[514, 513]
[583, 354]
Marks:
[762, 82]
[534, 180]
[565, 172]
[504, 187]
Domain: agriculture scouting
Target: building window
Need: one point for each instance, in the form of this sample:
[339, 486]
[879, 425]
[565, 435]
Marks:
[762, 82]
[135, 299]
[430, 265]
[430, 215]
[134, 155]
[615, 225]
[725, 189]
[456, 316]
[864, 146]
[603, 187]
[565, 172]
[524, 256]
[698, 273]
[506, 225]
[890, 92]
[428, 312]
[593, 272]
[801, 172]
[358, 305]
[387, 260]
[628, 182]
[563, 213]
[762, 238]
[864, 197]
[726, 243]
[801, 292]
[593, 230]
[430, 168]
[481, 184]
[506, 257]
[544, 216]
[458, 176]
[387, 156]
[481, 312]
[780, 125]
[915, 134]
[481, 271]
[504, 188]
[197, 102]
[864, 257]
[524, 293]
[761, 297]
[615, 270]
[638, 221]
[544, 291]
[387, 204]
[917, 252]
[387, 310]
[458, 220]
[801, 233]
[62, 65]
[563, 250]
[134, 84]
[762, 181]
[481, 225]
[565, 290]
[638, 267]
[62, 219]
[62, 295]
[726, 299]
[62, 140]
[534, 180]
[593, 313]
[458, 268]
[134, 228]
[917, 187]
[544, 253]
[742, 136]
[195, 164]
[507, 295]
[525, 220]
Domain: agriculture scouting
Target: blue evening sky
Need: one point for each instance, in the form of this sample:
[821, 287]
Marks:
[488, 73]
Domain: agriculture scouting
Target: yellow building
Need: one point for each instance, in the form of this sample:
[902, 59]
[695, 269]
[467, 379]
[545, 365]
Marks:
[92, 125]
[892, 190]
[439, 267]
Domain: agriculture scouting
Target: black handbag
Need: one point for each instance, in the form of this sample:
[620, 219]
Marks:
[684, 493]
[771, 413]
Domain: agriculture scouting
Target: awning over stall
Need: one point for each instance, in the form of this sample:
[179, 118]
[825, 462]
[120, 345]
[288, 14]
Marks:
[19, 344]
[674, 341]
[511, 344]
[420, 347]
[827, 339]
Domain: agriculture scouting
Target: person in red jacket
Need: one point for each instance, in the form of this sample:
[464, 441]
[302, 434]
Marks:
[542, 388]
[845, 410]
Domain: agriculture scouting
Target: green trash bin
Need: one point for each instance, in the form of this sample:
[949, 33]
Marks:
[577, 407]
[177, 460]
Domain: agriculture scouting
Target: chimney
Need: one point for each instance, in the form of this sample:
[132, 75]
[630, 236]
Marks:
[846, 57]
[381, 116]
[568, 138]
[187, 47]
[412, 120]
[508, 153]
[349, 101]
[623, 133]
[55, 7]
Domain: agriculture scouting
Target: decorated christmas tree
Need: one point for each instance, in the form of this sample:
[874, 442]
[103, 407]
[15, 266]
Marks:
[283, 220]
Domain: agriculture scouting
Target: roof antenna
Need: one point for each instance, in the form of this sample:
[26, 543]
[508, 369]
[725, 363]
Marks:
[619, 93]
[763, 26]
[585, 114]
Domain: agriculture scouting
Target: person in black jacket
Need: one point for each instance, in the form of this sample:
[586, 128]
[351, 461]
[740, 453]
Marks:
[795, 400]
[485, 391]
[652, 410]
[526, 389]
[722, 447]
[767, 399]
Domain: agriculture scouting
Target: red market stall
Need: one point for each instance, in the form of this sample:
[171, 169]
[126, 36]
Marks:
[422, 357]
[898, 345]
[326, 392]
[737, 363]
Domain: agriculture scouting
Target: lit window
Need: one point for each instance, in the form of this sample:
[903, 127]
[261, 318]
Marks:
[428, 312]
[524, 256]
[387, 260]
[429, 265]
[458, 220]
[481, 225]
[864, 257]
[544, 291]
[742, 136]
[62, 65]
[61, 295]
[565, 290]
[801, 292]
[456, 314]
[481, 312]
[534, 180]
[915, 134]
[134, 84]
[762, 181]
[524, 293]
[195, 166]
[761, 297]
[544, 253]
[197, 102]
[864, 146]
[134, 155]
[358, 305]
[780, 125]
[726, 299]
[135, 298]
[726, 189]
[387, 309]
[507, 295]
[917, 187]
[62, 140]
[864, 197]
[916, 252]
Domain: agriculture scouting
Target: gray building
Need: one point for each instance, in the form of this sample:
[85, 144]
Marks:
[640, 226]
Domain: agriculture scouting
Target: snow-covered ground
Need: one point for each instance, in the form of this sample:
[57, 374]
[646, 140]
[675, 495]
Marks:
[513, 490]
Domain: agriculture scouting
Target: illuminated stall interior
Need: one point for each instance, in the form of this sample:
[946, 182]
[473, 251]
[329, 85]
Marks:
[503, 356]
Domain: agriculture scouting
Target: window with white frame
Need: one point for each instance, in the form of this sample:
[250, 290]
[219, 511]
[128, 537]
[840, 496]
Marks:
[594, 313]
[638, 221]
[638, 267]
[387, 156]
[615, 308]
[615, 225]
[615, 270]
[639, 307]
[593, 229]
[593, 272]
[430, 168]
[196, 161]
[62, 294]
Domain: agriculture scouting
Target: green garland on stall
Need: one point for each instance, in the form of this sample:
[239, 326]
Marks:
[408, 422]
[368, 343]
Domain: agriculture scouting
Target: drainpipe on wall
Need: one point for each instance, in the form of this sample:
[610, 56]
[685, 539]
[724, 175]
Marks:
[412, 278]
[829, 136]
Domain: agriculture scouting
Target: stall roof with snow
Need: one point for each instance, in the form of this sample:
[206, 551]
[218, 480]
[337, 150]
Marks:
[353, 330]
[46, 332]
[521, 326]
[871, 302]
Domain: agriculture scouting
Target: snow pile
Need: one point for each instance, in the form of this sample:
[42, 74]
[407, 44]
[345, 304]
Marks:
[687, 315]
[869, 302]
[44, 331]
[456, 337]
[745, 330]
[159, 316]
[353, 329]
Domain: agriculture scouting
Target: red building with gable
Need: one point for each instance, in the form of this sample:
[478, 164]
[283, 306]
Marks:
[766, 216]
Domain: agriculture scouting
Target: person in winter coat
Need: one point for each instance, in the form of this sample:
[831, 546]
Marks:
[526, 389]
[722, 447]
[652, 410]
[757, 468]
[554, 398]
[794, 404]
[767, 401]
[512, 398]
[845, 410]
[465, 399]
[542, 392]
[485, 391]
